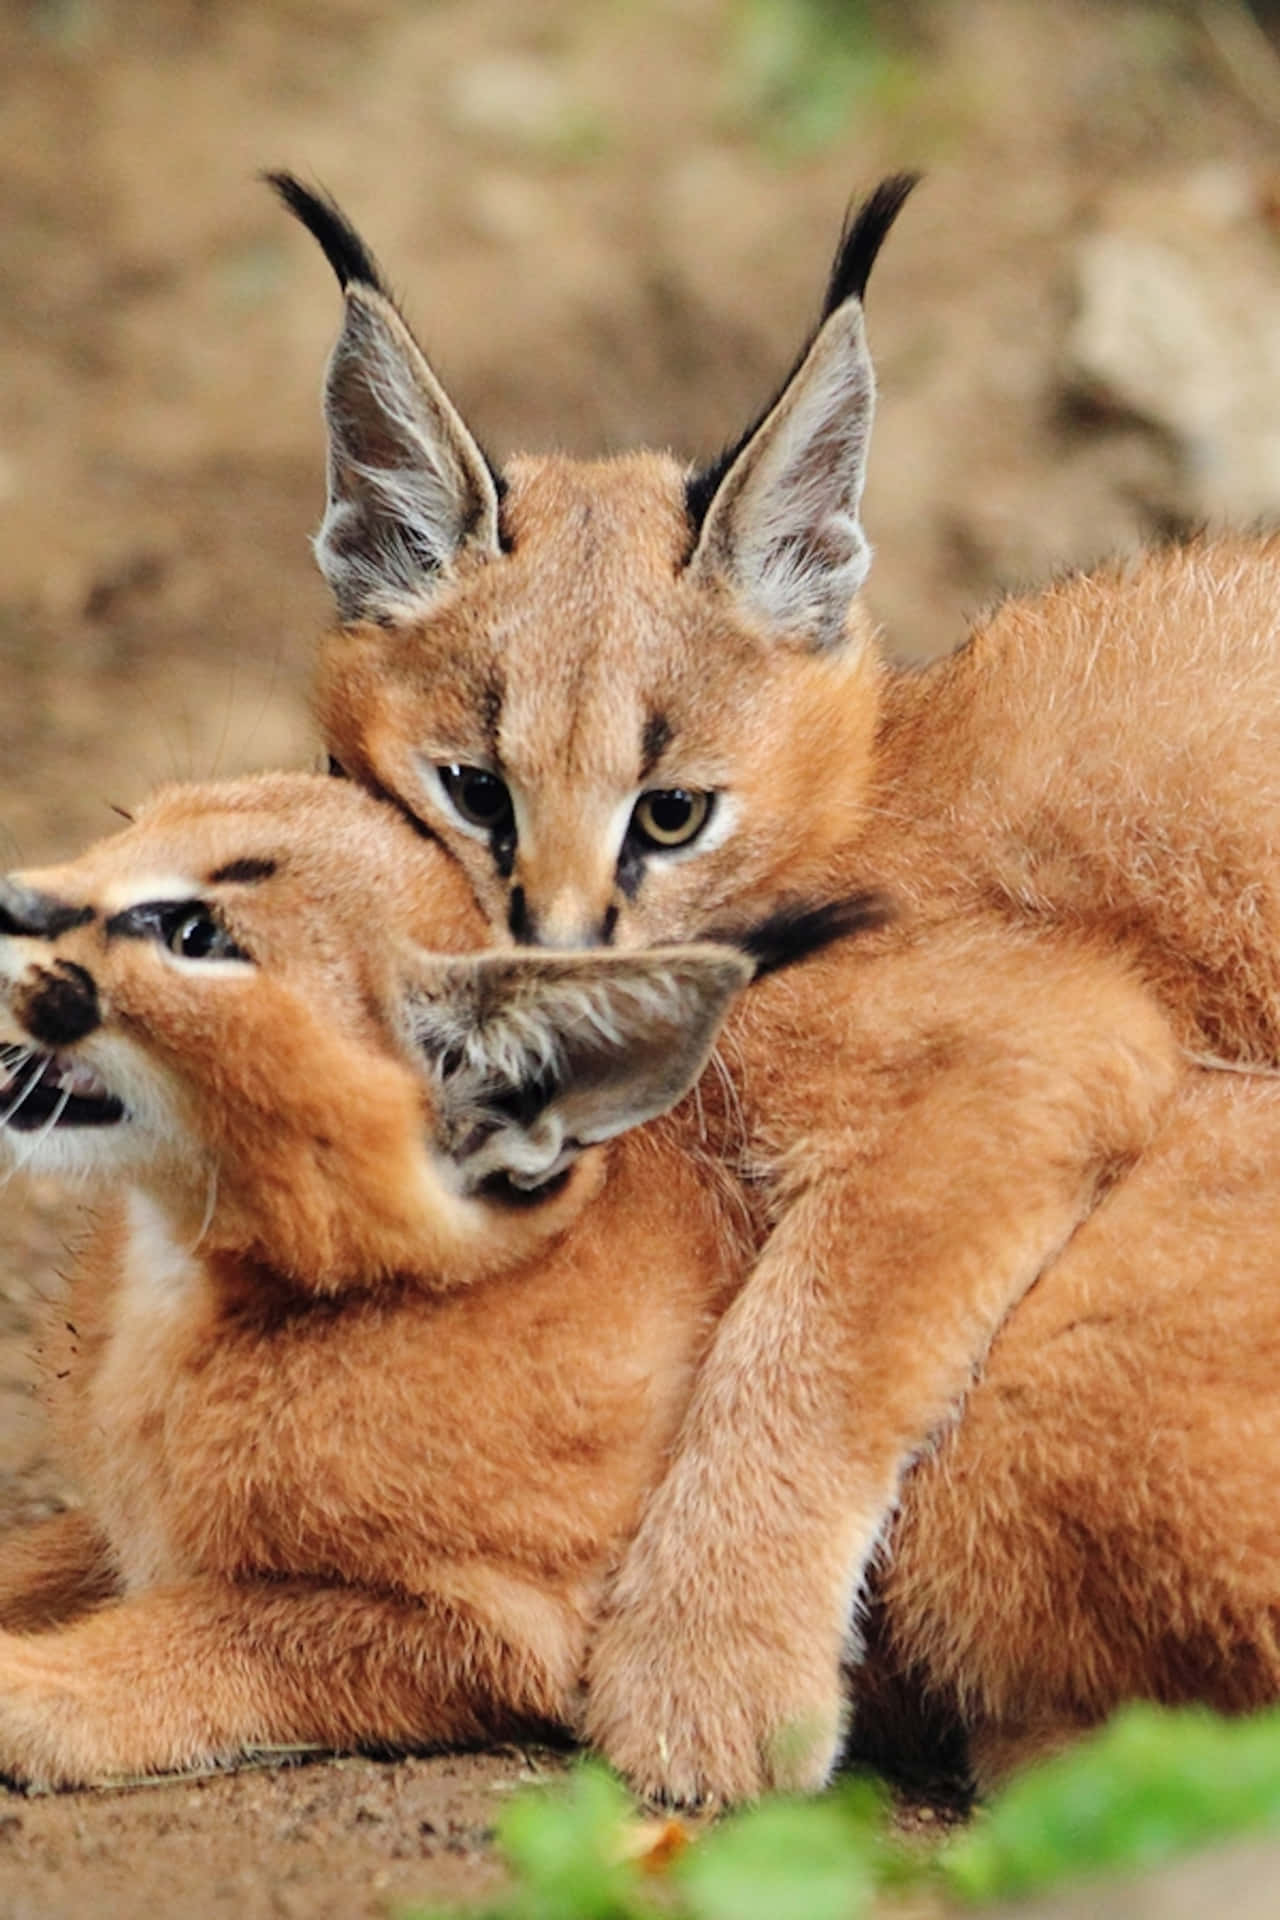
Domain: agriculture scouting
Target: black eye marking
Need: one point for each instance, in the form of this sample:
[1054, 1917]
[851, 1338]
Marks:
[609, 925]
[503, 848]
[630, 871]
[654, 743]
[243, 872]
[188, 928]
[519, 923]
[24, 913]
[335, 769]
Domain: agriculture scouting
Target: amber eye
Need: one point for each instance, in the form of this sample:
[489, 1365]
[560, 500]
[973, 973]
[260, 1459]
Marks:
[478, 797]
[670, 816]
[192, 933]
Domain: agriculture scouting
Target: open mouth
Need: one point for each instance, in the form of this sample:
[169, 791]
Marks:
[39, 1088]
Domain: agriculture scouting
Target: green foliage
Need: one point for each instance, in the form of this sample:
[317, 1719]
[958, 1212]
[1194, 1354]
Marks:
[564, 1846]
[1150, 1786]
[802, 68]
[818, 1858]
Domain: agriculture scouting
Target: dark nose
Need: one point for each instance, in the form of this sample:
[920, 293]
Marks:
[58, 1005]
[24, 913]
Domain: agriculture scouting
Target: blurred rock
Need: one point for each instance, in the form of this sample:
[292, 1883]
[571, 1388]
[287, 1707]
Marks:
[519, 99]
[1178, 326]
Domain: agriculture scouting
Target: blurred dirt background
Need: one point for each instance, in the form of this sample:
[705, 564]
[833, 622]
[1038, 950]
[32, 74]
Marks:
[610, 223]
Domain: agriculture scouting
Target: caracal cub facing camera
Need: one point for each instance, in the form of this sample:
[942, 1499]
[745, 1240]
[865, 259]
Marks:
[356, 1442]
[641, 702]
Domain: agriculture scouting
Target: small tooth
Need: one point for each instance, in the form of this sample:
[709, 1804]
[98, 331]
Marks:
[73, 1076]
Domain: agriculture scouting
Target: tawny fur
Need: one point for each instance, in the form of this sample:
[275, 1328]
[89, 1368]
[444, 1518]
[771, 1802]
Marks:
[350, 1474]
[1098, 1525]
[379, 1502]
[1076, 818]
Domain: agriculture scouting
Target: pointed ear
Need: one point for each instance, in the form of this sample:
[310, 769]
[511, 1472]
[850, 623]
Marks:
[783, 531]
[408, 485]
[779, 514]
[537, 1056]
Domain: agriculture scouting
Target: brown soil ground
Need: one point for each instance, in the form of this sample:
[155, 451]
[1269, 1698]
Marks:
[611, 224]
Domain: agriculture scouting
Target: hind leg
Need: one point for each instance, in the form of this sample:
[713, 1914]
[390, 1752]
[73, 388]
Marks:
[198, 1674]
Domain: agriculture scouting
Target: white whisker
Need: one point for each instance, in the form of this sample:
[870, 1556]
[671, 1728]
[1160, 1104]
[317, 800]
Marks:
[210, 1203]
[736, 1141]
[28, 1055]
[38, 1139]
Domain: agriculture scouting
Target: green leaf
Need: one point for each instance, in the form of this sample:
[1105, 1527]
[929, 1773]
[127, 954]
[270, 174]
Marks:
[814, 1859]
[1151, 1785]
[565, 1845]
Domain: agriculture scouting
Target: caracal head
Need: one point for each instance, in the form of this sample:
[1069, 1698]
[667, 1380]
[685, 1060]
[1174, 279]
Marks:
[637, 702]
[257, 1005]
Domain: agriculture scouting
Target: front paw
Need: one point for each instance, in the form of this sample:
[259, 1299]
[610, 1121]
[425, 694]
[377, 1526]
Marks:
[37, 1724]
[713, 1717]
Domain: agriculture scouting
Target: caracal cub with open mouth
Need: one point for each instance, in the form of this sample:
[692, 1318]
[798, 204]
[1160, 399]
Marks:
[357, 1443]
[371, 1359]
[640, 702]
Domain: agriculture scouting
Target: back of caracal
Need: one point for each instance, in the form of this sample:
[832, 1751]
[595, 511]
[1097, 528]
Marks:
[358, 1447]
[638, 702]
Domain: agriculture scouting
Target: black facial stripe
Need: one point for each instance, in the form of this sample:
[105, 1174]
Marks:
[490, 709]
[390, 798]
[609, 924]
[62, 1005]
[519, 923]
[24, 913]
[147, 919]
[503, 847]
[654, 742]
[163, 920]
[631, 865]
[243, 872]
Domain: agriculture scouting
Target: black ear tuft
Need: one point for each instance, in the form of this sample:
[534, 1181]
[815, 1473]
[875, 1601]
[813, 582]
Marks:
[862, 238]
[860, 242]
[325, 221]
[793, 933]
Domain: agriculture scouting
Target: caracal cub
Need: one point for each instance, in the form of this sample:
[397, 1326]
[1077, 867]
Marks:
[356, 1441]
[358, 1444]
[640, 702]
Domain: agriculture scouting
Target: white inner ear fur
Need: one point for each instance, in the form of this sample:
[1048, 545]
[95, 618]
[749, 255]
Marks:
[600, 1042]
[407, 484]
[783, 528]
